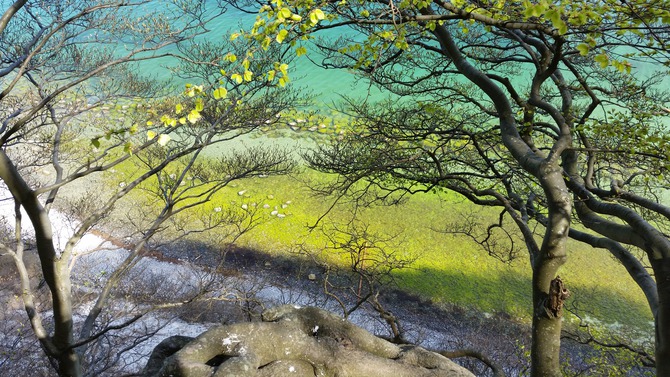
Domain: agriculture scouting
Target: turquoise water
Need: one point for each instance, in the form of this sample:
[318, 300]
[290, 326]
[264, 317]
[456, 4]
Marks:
[327, 86]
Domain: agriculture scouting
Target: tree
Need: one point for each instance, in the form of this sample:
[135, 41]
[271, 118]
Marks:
[74, 105]
[372, 260]
[548, 80]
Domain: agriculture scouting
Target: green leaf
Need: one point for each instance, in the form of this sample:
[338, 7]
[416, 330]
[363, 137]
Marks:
[603, 60]
[220, 93]
[562, 27]
[96, 142]
[285, 13]
[583, 49]
[281, 35]
[316, 16]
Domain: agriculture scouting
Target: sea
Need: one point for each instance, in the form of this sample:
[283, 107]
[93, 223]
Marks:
[327, 86]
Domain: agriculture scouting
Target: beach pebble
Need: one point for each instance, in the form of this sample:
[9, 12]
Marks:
[274, 213]
[266, 206]
[240, 193]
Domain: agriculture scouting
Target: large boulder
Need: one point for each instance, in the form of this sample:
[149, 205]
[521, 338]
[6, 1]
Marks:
[294, 341]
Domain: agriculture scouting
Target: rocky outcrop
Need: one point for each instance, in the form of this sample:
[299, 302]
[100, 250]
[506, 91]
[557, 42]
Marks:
[294, 341]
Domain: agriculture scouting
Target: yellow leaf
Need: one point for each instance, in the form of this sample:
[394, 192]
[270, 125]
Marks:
[319, 14]
[281, 35]
[248, 75]
[220, 93]
[151, 135]
[163, 139]
[167, 120]
[178, 108]
[285, 13]
[194, 116]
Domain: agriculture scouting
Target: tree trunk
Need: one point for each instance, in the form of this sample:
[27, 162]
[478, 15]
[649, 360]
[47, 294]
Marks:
[661, 269]
[549, 292]
[546, 336]
[54, 270]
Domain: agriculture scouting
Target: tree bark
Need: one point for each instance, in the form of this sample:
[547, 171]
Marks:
[301, 342]
[54, 269]
[545, 351]
[548, 295]
[661, 269]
